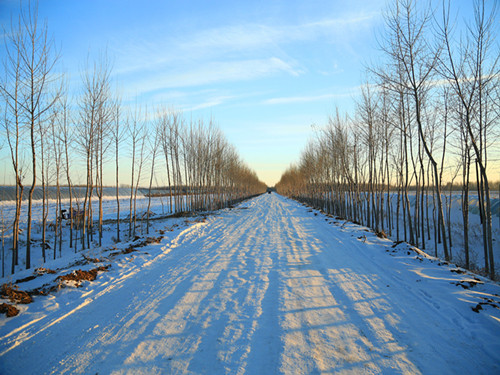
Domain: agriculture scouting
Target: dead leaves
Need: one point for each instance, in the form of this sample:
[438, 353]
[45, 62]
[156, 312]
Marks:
[14, 295]
[80, 275]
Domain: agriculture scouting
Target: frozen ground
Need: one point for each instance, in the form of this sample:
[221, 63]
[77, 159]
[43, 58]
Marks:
[269, 287]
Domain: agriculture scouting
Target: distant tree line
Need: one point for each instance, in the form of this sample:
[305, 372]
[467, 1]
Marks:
[52, 140]
[429, 116]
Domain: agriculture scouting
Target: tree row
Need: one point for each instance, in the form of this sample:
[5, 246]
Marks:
[428, 117]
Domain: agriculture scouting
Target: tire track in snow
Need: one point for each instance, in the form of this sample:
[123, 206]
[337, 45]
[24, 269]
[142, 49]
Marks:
[222, 318]
[320, 334]
[164, 309]
[387, 309]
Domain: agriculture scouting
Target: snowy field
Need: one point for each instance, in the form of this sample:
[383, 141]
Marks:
[159, 207]
[453, 215]
[269, 287]
[454, 224]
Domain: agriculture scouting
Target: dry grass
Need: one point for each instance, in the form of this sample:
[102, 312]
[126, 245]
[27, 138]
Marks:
[13, 294]
[8, 310]
[80, 275]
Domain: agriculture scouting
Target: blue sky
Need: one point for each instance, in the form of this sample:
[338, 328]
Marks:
[264, 70]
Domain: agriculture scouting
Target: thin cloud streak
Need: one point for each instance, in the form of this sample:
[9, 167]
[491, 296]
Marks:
[209, 104]
[308, 99]
[217, 72]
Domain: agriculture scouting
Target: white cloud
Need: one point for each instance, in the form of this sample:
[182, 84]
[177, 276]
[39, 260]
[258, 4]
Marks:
[308, 99]
[216, 72]
[229, 53]
[230, 42]
[298, 99]
[212, 102]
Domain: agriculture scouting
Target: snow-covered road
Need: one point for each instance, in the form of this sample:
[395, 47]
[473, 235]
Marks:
[269, 287]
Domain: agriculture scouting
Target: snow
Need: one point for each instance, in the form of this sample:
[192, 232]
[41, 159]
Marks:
[159, 207]
[268, 287]
[452, 206]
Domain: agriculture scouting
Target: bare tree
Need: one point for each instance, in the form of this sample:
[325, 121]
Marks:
[118, 132]
[30, 49]
[66, 135]
[95, 111]
[472, 73]
[44, 176]
[136, 134]
[56, 129]
[154, 145]
[10, 89]
[412, 53]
